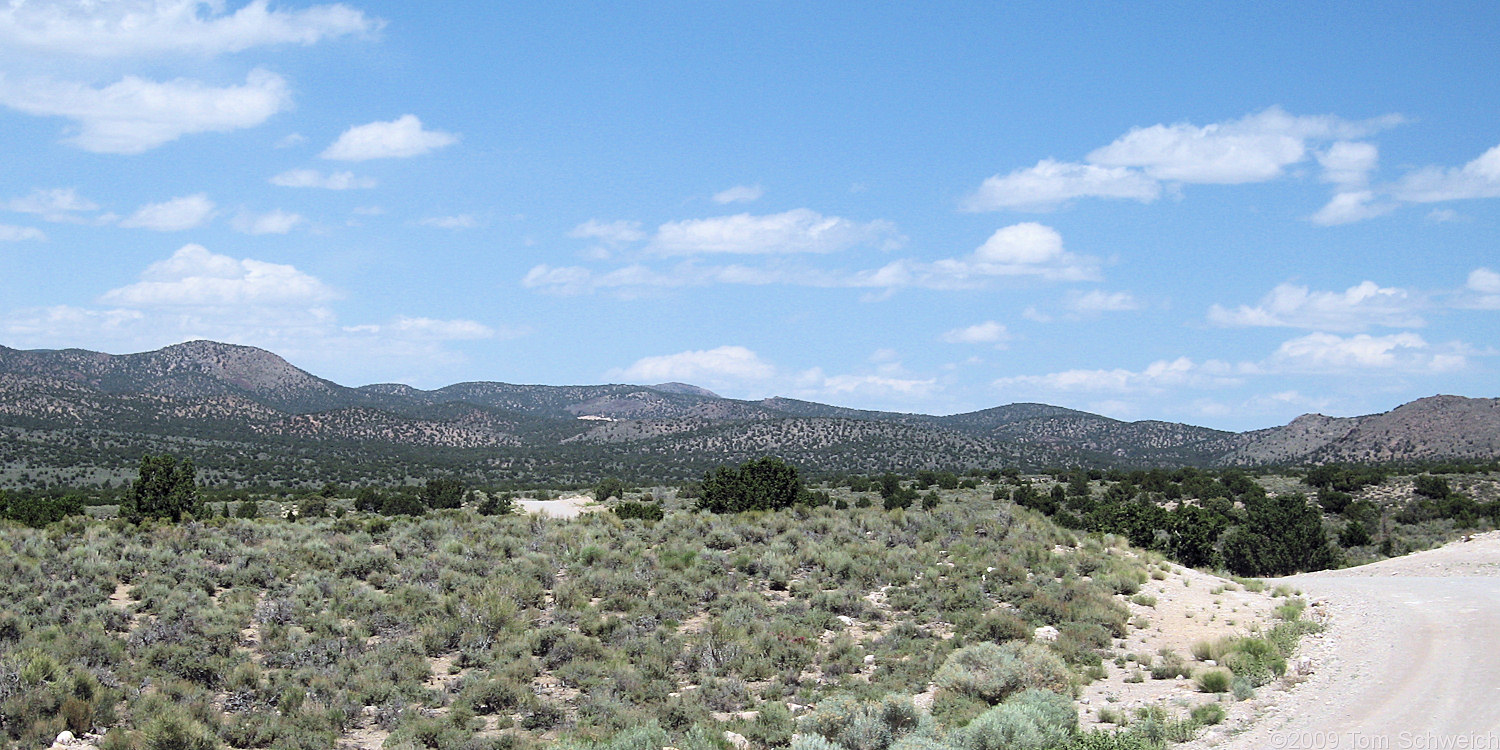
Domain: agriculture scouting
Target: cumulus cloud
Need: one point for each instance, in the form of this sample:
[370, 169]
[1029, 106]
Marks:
[186, 212]
[609, 232]
[400, 138]
[56, 204]
[1254, 148]
[797, 231]
[1051, 183]
[1485, 286]
[439, 329]
[1158, 376]
[312, 178]
[121, 28]
[988, 332]
[1020, 250]
[815, 383]
[724, 362]
[739, 194]
[193, 276]
[136, 114]
[1349, 207]
[199, 294]
[1025, 249]
[1326, 353]
[1354, 309]
[1349, 163]
[273, 222]
[10, 233]
[1479, 178]
[1100, 301]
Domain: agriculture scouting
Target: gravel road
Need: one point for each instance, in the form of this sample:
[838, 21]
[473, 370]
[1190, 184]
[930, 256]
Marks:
[1411, 658]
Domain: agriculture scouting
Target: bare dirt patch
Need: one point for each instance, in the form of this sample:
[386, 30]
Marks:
[571, 506]
[1408, 659]
[1189, 606]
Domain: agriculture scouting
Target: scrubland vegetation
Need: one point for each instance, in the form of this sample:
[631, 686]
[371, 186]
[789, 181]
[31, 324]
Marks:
[866, 613]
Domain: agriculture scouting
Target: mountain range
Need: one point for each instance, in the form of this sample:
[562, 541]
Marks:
[246, 415]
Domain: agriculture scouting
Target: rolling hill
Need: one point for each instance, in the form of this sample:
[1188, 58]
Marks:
[248, 416]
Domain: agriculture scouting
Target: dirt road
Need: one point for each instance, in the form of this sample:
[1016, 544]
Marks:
[563, 507]
[1411, 658]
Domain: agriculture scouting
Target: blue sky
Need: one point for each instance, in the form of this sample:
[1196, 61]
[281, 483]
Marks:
[1220, 213]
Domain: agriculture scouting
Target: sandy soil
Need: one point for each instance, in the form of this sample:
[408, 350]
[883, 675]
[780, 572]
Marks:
[1190, 606]
[1409, 660]
[563, 507]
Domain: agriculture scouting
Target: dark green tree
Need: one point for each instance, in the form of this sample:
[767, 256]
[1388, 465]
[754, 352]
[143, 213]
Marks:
[1279, 536]
[38, 510]
[443, 493]
[763, 484]
[164, 488]
[609, 487]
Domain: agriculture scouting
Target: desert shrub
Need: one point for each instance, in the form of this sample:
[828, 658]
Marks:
[1030, 720]
[1208, 714]
[990, 673]
[1171, 665]
[171, 730]
[642, 511]
[854, 724]
[1242, 688]
[1213, 680]
[999, 626]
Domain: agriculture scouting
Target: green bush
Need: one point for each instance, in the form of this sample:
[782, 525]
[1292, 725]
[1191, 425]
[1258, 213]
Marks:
[990, 672]
[762, 484]
[642, 511]
[1208, 714]
[1030, 720]
[1213, 680]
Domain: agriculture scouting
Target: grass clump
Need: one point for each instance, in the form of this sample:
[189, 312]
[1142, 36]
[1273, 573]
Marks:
[989, 672]
[1214, 680]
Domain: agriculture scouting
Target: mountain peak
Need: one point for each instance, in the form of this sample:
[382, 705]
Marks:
[686, 389]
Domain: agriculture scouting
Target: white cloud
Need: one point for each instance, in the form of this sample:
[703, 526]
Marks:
[1484, 281]
[1349, 163]
[1159, 375]
[1479, 178]
[195, 277]
[56, 204]
[988, 332]
[1051, 183]
[1349, 207]
[1486, 285]
[461, 221]
[867, 385]
[312, 178]
[1327, 353]
[1100, 301]
[399, 138]
[10, 233]
[186, 212]
[136, 115]
[120, 28]
[1254, 148]
[1025, 249]
[739, 194]
[274, 222]
[1354, 309]
[198, 294]
[610, 233]
[440, 329]
[725, 362]
[1019, 250]
[797, 231]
